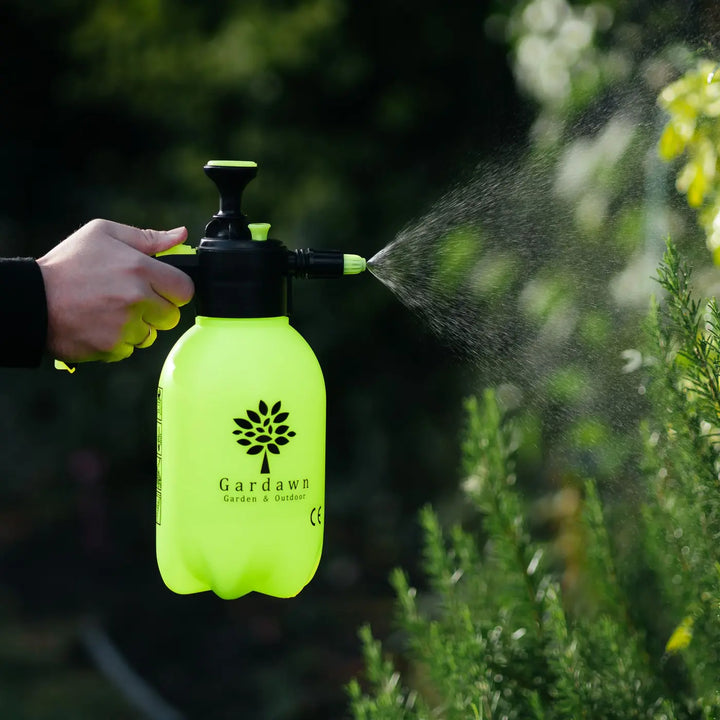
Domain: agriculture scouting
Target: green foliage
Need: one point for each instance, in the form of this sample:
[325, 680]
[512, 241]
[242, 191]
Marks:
[692, 130]
[499, 633]
[696, 326]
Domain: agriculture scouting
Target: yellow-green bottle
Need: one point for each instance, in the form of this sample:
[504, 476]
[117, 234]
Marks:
[241, 415]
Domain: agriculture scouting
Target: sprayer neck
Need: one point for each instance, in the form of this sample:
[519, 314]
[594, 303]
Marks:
[242, 278]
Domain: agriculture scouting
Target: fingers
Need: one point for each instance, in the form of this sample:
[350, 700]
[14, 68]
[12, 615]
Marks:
[160, 313]
[147, 242]
[121, 352]
[149, 340]
[170, 283]
[139, 335]
[141, 330]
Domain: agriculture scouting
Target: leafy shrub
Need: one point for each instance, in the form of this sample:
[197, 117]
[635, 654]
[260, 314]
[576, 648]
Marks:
[627, 625]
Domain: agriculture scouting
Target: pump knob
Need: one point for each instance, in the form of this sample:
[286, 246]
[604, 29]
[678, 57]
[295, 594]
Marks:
[231, 178]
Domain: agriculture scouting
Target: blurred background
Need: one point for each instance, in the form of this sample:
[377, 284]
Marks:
[360, 116]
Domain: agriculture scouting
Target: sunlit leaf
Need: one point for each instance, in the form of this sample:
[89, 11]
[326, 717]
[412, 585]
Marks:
[682, 636]
[671, 144]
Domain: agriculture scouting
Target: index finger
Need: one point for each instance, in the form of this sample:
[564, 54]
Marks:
[169, 282]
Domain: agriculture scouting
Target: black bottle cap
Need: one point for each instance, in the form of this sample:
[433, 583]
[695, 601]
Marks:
[238, 276]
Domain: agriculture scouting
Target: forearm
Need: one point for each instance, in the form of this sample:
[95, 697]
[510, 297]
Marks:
[23, 313]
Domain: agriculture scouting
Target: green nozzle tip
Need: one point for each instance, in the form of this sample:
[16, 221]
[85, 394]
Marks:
[259, 231]
[231, 163]
[353, 264]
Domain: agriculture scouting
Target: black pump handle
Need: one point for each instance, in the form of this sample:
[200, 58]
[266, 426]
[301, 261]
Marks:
[231, 179]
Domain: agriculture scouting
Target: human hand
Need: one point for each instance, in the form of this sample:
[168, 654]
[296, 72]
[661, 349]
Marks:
[106, 296]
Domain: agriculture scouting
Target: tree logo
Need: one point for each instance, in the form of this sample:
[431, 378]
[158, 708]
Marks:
[264, 431]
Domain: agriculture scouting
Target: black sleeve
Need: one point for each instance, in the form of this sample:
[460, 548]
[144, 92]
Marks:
[23, 313]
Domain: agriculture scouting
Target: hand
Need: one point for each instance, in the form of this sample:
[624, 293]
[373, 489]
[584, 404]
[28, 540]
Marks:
[106, 295]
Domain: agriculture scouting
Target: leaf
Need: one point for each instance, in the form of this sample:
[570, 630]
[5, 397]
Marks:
[682, 635]
[263, 408]
[274, 449]
[275, 408]
[281, 429]
[253, 416]
[282, 441]
[243, 423]
[267, 422]
[671, 143]
[243, 442]
[292, 433]
[250, 433]
[255, 449]
[237, 432]
[263, 438]
[282, 416]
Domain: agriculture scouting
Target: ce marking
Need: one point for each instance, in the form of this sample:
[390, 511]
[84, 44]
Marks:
[316, 516]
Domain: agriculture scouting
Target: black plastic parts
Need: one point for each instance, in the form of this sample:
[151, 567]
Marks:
[310, 263]
[236, 276]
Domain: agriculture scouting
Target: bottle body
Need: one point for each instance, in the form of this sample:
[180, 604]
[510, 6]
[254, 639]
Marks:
[241, 459]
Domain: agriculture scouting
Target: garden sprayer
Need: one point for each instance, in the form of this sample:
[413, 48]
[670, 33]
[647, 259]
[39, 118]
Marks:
[241, 413]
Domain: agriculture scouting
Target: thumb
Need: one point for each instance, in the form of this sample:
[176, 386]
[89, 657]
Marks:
[165, 239]
[149, 242]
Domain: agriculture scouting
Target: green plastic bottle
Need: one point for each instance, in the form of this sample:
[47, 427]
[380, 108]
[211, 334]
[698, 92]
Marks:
[241, 414]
